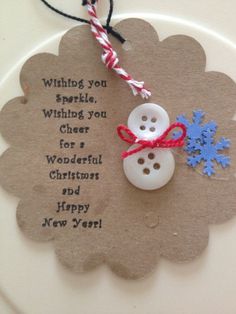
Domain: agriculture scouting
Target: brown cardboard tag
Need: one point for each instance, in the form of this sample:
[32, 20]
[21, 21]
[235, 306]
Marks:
[64, 157]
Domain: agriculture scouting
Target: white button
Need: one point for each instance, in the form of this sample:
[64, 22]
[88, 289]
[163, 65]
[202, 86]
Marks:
[149, 169]
[148, 121]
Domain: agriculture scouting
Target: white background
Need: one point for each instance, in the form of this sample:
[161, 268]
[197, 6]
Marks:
[31, 279]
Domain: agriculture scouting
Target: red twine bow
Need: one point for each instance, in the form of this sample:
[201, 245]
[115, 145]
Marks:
[161, 141]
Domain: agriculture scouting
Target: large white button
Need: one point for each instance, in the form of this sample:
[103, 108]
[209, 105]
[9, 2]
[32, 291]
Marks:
[148, 121]
[149, 169]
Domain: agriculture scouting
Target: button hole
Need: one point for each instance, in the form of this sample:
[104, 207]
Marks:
[141, 161]
[144, 118]
[146, 171]
[156, 166]
[151, 156]
[154, 120]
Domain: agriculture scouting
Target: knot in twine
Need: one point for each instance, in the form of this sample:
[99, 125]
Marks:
[160, 142]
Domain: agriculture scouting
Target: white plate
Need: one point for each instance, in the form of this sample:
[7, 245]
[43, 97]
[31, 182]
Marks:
[30, 276]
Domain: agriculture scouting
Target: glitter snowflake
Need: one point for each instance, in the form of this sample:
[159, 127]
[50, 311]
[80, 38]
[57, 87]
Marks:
[195, 128]
[208, 152]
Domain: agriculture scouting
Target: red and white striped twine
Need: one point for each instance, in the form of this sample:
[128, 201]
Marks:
[109, 56]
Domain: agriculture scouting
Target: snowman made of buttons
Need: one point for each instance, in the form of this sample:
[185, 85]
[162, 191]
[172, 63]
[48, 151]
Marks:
[150, 168]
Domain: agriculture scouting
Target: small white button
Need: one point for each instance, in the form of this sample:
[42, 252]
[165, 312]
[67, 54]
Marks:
[148, 121]
[149, 169]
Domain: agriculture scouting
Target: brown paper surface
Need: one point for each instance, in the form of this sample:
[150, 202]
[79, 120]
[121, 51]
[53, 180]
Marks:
[113, 222]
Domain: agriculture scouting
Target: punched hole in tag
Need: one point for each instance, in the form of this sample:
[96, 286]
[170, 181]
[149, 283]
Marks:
[127, 45]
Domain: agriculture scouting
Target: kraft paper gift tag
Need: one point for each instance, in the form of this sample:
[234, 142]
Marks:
[64, 158]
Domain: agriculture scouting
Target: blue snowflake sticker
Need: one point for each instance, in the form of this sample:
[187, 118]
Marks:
[201, 145]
